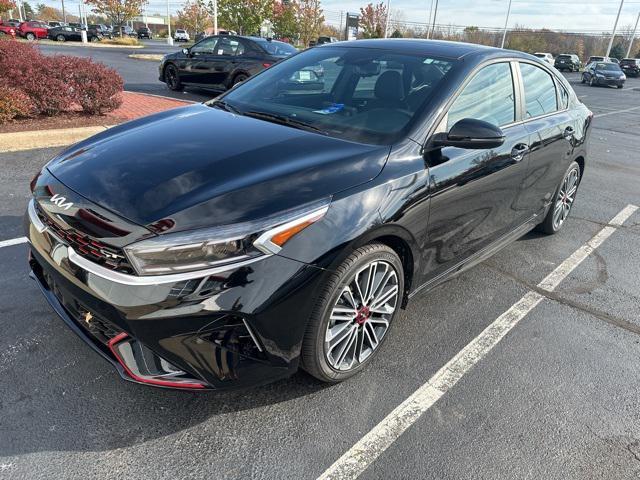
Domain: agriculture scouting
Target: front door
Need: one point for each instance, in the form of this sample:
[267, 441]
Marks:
[194, 68]
[475, 192]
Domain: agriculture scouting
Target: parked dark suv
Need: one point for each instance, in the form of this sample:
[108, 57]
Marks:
[73, 34]
[226, 244]
[630, 66]
[145, 32]
[568, 61]
[220, 62]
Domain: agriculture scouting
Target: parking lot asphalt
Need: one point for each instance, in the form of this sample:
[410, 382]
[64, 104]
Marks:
[556, 398]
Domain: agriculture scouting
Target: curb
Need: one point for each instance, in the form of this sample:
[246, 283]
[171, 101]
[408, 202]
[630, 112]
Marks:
[83, 45]
[155, 57]
[17, 141]
[162, 96]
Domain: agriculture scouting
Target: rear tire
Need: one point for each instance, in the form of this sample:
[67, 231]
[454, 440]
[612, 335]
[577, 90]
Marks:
[172, 78]
[584, 80]
[239, 78]
[61, 38]
[563, 201]
[620, 86]
[354, 311]
[30, 36]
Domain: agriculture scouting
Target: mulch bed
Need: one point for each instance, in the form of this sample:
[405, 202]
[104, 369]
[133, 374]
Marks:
[134, 105]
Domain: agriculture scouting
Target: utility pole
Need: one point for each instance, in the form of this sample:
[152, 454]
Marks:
[19, 11]
[169, 37]
[340, 29]
[615, 27]
[429, 21]
[64, 13]
[435, 13]
[386, 25]
[506, 21]
[633, 35]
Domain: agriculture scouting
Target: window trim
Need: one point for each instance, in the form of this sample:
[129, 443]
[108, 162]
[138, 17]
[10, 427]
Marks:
[555, 82]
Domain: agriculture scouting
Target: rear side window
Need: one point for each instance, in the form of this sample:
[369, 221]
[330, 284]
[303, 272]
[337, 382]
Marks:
[539, 91]
[564, 97]
[489, 96]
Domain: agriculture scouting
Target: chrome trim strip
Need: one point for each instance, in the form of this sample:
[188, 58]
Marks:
[264, 243]
[124, 279]
[253, 337]
[33, 217]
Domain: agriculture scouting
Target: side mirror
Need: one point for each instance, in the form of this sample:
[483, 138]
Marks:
[470, 133]
[186, 51]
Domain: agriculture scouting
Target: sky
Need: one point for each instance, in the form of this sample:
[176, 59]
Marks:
[573, 15]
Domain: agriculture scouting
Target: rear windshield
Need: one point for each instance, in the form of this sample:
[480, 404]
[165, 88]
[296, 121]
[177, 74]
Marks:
[607, 66]
[277, 49]
[564, 57]
[367, 95]
[628, 61]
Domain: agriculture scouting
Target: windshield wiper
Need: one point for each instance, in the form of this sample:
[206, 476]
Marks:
[284, 120]
[227, 107]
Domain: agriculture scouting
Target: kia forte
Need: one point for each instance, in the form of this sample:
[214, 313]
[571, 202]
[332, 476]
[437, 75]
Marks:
[286, 223]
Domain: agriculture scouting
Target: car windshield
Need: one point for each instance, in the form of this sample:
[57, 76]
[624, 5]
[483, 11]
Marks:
[611, 67]
[360, 94]
[540, 55]
[277, 49]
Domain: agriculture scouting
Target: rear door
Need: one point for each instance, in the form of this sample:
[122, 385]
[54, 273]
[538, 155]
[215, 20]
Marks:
[475, 192]
[552, 128]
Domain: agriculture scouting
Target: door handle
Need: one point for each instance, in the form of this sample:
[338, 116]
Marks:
[519, 151]
[568, 133]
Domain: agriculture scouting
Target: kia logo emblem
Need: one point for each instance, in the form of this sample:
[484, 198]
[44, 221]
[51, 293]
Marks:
[61, 202]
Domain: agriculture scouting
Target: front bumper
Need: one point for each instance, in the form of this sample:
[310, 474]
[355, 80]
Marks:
[613, 82]
[229, 329]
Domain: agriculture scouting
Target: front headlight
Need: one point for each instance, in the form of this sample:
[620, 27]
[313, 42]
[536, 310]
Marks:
[623, 77]
[599, 75]
[214, 247]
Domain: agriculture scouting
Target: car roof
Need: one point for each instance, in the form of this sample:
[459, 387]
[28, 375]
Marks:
[436, 48]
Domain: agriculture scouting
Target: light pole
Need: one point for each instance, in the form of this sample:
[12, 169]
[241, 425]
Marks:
[215, 17]
[506, 21]
[386, 24]
[169, 37]
[633, 35]
[435, 14]
[429, 21]
[615, 27]
[64, 13]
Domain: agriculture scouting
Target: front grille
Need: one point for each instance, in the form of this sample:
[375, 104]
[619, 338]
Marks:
[87, 247]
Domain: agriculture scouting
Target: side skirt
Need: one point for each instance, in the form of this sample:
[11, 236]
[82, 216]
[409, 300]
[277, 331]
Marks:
[479, 257]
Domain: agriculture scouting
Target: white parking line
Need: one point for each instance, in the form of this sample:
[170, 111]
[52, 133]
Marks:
[598, 115]
[13, 241]
[373, 444]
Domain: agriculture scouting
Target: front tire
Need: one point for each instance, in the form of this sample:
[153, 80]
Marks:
[353, 313]
[562, 201]
[172, 78]
[584, 79]
[30, 36]
[61, 38]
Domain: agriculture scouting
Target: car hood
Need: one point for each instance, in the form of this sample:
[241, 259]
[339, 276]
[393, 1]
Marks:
[201, 166]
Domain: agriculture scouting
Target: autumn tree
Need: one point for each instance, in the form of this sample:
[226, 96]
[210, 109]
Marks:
[48, 14]
[285, 19]
[118, 11]
[194, 17]
[244, 16]
[373, 20]
[310, 20]
[6, 5]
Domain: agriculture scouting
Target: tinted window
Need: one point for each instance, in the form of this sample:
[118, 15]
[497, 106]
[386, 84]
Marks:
[208, 45]
[489, 97]
[229, 46]
[539, 91]
[564, 97]
[278, 49]
[363, 94]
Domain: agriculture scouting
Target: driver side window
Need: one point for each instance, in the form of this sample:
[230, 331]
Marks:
[489, 96]
[206, 46]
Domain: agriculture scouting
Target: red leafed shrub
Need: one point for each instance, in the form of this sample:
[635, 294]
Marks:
[14, 103]
[95, 87]
[58, 83]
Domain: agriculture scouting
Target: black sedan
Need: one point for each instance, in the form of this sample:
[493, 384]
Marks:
[220, 62]
[280, 226]
[74, 34]
[604, 73]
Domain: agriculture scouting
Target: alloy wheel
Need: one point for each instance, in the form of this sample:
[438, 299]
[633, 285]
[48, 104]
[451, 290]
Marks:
[566, 196]
[172, 77]
[361, 315]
